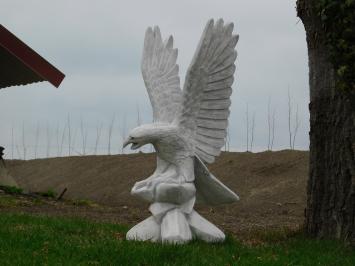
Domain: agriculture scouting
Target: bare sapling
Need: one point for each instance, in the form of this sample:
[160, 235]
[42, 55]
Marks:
[23, 141]
[69, 136]
[74, 142]
[252, 132]
[138, 122]
[289, 118]
[123, 131]
[269, 124]
[18, 151]
[48, 135]
[273, 129]
[227, 140]
[57, 139]
[247, 120]
[84, 136]
[62, 140]
[296, 126]
[12, 143]
[292, 131]
[36, 140]
[98, 134]
[138, 117]
[110, 129]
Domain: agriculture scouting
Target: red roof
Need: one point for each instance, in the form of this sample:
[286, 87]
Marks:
[20, 65]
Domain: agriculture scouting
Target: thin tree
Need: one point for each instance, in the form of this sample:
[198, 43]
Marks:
[57, 139]
[292, 131]
[228, 138]
[84, 136]
[74, 142]
[18, 151]
[272, 130]
[247, 120]
[98, 134]
[62, 140]
[269, 124]
[252, 132]
[289, 117]
[297, 123]
[69, 135]
[123, 131]
[12, 143]
[138, 122]
[110, 129]
[227, 143]
[23, 140]
[36, 140]
[138, 117]
[48, 134]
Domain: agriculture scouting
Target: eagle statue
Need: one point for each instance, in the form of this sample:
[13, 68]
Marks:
[188, 130]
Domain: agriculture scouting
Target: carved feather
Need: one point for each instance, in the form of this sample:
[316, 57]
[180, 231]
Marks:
[213, 114]
[161, 75]
[207, 90]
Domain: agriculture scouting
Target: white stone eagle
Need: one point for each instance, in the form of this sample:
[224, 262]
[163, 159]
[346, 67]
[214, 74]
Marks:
[189, 130]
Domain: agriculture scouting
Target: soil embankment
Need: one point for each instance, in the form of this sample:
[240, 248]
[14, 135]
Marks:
[271, 185]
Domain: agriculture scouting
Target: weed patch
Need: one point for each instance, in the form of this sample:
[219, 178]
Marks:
[11, 190]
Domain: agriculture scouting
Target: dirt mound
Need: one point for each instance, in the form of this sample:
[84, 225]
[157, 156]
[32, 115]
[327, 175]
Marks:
[5, 178]
[271, 185]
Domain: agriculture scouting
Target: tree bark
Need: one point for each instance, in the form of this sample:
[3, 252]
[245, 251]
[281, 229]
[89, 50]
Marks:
[330, 207]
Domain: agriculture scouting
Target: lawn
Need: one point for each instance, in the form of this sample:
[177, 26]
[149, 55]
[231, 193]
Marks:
[40, 240]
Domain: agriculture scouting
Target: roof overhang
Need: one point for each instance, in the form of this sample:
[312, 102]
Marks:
[20, 65]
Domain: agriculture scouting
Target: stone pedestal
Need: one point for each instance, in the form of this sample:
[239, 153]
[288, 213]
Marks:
[173, 218]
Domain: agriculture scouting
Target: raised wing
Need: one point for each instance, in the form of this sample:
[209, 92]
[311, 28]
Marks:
[207, 90]
[161, 75]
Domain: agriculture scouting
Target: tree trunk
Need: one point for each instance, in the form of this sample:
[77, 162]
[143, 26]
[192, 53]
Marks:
[330, 208]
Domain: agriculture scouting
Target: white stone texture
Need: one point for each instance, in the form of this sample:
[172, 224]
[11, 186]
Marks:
[148, 229]
[189, 130]
[175, 228]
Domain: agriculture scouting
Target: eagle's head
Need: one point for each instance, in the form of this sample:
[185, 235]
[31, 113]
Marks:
[142, 135]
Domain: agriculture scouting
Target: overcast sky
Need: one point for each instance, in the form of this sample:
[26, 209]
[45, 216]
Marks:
[98, 45]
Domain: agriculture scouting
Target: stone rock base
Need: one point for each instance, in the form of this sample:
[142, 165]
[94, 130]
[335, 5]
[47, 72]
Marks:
[176, 227]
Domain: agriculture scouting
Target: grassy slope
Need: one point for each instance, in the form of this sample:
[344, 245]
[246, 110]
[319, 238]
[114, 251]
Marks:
[36, 240]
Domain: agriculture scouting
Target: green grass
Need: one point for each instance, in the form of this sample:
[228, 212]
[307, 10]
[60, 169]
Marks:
[39, 240]
[8, 201]
[48, 194]
[11, 189]
[83, 202]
